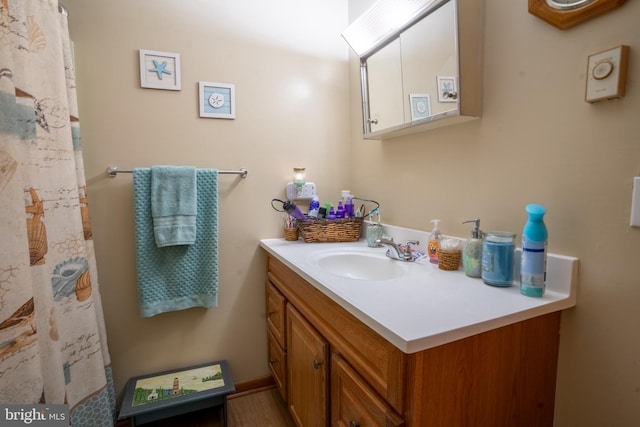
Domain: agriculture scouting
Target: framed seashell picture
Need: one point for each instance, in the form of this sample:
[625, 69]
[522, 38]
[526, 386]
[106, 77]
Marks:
[160, 70]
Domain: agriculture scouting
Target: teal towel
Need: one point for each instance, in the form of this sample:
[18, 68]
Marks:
[173, 205]
[177, 277]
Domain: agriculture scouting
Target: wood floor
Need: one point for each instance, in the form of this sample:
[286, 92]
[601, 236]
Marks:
[261, 409]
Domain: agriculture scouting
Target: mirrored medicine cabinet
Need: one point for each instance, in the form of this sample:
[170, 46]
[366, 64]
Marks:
[426, 73]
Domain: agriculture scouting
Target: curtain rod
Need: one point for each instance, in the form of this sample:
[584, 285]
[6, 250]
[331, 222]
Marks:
[113, 171]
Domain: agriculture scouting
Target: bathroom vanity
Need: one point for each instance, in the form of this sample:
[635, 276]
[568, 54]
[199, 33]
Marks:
[422, 348]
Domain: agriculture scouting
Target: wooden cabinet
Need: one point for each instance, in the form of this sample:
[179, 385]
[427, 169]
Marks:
[353, 403]
[379, 362]
[307, 371]
[334, 370]
[276, 314]
[276, 340]
[278, 364]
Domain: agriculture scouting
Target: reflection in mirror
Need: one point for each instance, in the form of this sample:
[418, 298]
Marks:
[384, 73]
[429, 51]
[383, 21]
[401, 85]
[430, 69]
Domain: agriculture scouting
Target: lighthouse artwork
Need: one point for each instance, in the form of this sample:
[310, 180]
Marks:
[176, 384]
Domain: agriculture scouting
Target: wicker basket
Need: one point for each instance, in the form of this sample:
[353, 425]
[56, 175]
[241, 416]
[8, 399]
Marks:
[449, 260]
[291, 234]
[330, 230]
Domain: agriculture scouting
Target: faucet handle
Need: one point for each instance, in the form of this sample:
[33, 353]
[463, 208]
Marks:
[407, 248]
[411, 242]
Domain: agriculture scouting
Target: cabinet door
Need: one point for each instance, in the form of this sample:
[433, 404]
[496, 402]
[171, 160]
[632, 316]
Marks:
[278, 365]
[307, 371]
[275, 314]
[354, 403]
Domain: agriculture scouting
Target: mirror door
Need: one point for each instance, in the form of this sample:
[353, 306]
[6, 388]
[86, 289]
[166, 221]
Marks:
[414, 78]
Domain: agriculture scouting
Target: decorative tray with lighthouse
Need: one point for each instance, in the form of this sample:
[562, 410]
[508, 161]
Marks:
[166, 394]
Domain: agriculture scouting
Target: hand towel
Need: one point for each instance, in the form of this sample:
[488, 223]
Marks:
[173, 205]
[177, 277]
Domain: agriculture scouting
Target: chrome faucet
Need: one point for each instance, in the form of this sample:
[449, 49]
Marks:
[397, 252]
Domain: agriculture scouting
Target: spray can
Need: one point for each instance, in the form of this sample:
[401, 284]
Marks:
[533, 263]
[314, 207]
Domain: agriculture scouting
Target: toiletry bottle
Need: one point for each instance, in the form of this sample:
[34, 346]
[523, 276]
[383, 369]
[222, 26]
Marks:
[533, 262]
[331, 214]
[340, 210]
[349, 210]
[433, 247]
[314, 207]
[472, 251]
[347, 202]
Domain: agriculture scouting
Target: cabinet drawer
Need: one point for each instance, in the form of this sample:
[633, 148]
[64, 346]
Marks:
[276, 304]
[278, 365]
[354, 403]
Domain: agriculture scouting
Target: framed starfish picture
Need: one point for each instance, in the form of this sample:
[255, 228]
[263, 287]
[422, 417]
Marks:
[447, 91]
[160, 70]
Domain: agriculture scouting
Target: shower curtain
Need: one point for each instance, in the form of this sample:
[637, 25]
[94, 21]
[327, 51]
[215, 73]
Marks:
[53, 347]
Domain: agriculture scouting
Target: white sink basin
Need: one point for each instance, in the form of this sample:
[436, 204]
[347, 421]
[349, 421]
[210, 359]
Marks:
[359, 263]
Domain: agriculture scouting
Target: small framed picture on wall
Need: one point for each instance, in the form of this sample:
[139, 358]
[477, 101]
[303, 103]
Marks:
[447, 91]
[217, 100]
[420, 106]
[160, 70]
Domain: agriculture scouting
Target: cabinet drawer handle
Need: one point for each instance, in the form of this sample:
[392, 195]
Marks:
[353, 424]
[316, 364]
[272, 362]
[271, 313]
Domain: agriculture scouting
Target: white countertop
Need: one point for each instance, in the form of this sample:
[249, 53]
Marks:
[428, 307]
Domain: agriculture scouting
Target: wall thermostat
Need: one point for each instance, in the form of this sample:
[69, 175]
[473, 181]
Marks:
[607, 74]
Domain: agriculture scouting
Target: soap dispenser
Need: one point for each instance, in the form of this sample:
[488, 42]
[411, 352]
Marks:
[433, 247]
[472, 251]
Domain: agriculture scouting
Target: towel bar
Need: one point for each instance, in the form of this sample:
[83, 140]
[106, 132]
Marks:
[113, 171]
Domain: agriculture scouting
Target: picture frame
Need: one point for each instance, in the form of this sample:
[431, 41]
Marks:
[160, 70]
[447, 89]
[420, 106]
[217, 100]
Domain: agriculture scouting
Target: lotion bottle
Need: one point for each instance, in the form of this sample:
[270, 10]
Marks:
[314, 207]
[340, 210]
[472, 251]
[433, 247]
[533, 262]
[347, 202]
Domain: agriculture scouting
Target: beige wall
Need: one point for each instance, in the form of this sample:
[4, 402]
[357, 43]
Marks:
[290, 68]
[537, 141]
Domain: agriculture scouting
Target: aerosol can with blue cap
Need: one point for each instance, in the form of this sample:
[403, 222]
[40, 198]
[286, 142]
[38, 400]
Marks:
[533, 262]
